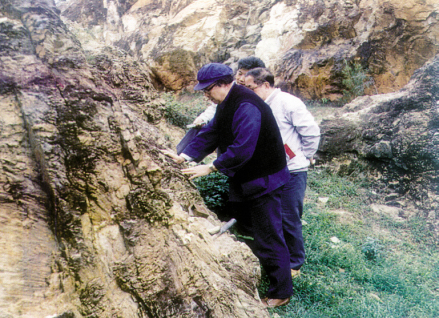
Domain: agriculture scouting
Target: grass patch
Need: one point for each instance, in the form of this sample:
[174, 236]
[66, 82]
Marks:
[377, 267]
[360, 274]
[422, 231]
[341, 192]
[181, 110]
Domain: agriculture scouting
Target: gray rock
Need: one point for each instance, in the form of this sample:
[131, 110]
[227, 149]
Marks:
[394, 133]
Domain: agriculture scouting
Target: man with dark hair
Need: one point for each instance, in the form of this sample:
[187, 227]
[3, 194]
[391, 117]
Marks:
[252, 156]
[246, 64]
[301, 136]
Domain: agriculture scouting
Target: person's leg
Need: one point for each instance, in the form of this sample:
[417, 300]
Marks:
[269, 243]
[241, 212]
[293, 194]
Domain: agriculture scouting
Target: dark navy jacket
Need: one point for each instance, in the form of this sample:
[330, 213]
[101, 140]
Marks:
[251, 148]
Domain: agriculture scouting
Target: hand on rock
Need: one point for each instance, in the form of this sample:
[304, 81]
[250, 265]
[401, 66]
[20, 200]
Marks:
[197, 171]
[172, 155]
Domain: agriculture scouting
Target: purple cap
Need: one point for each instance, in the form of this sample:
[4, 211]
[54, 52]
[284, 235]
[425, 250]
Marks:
[210, 73]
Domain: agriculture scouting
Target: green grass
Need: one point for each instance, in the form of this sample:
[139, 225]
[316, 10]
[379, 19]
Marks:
[366, 274]
[382, 267]
[341, 192]
[182, 109]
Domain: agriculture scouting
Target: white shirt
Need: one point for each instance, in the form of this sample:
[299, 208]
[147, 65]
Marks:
[300, 133]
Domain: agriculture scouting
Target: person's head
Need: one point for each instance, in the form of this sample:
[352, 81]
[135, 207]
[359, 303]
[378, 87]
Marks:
[215, 80]
[261, 81]
[244, 65]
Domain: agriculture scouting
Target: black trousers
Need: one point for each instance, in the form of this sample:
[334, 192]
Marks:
[293, 194]
[261, 218]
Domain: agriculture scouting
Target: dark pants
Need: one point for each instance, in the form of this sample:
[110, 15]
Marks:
[262, 219]
[293, 194]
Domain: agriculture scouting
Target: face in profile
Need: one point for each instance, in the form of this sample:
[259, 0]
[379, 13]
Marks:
[258, 89]
[213, 93]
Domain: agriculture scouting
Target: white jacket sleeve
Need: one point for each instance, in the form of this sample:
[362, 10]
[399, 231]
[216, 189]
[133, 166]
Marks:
[206, 116]
[308, 130]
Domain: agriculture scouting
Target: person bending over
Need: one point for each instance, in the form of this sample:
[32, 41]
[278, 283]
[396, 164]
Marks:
[252, 156]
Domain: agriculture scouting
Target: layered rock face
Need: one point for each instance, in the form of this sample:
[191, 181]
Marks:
[398, 135]
[306, 43]
[94, 220]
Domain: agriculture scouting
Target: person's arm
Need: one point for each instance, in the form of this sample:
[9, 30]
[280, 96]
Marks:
[246, 127]
[306, 127]
[176, 158]
[205, 116]
[199, 171]
[204, 143]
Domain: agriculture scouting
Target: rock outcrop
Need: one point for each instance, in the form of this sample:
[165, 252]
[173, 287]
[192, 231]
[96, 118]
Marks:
[306, 43]
[94, 220]
[398, 135]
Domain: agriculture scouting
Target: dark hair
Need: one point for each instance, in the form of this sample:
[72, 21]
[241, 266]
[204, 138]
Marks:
[224, 80]
[250, 62]
[261, 75]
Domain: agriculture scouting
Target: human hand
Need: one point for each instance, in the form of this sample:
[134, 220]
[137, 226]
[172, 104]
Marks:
[197, 171]
[312, 161]
[198, 122]
[176, 158]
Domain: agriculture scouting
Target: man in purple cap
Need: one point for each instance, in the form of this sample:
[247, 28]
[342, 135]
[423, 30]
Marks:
[244, 65]
[252, 156]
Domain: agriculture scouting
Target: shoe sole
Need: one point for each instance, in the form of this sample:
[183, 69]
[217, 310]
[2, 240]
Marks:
[283, 303]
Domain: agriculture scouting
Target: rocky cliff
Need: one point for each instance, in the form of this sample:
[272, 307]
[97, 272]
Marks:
[306, 43]
[396, 135]
[94, 220]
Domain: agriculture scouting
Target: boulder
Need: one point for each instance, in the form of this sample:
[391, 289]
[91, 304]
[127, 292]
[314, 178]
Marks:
[397, 134]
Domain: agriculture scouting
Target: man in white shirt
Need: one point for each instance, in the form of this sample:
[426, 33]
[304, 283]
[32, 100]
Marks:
[301, 136]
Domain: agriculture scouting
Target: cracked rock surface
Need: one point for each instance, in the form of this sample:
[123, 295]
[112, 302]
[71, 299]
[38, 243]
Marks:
[94, 220]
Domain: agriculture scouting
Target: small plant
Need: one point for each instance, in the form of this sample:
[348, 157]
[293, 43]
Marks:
[325, 100]
[180, 113]
[214, 189]
[372, 249]
[355, 80]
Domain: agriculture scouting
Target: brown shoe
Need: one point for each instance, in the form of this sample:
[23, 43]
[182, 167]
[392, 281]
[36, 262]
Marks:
[271, 303]
[295, 273]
